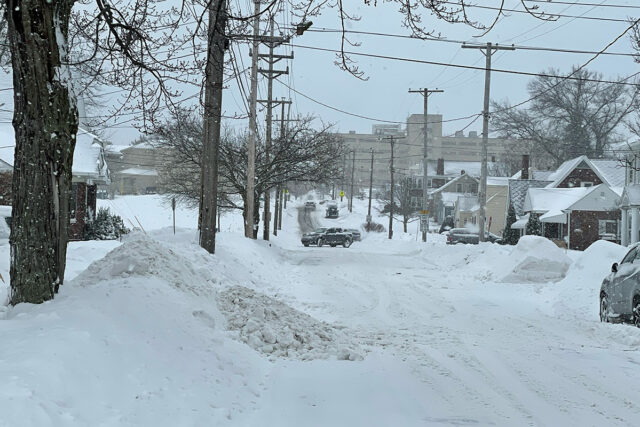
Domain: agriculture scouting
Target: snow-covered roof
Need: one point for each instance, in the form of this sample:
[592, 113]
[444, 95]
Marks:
[449, 198]
[600, 198]
[467, 203]
[631, 195]
[518, 191]
[534, 175]
[451, 168]
[453, 181]
[554, 216]
[88, 157]
[498, 181]
[543, 200]
[610, 172]
[138, 171]
[521, 223]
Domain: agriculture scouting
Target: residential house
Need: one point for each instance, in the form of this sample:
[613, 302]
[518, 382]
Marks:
[577, 216]
[443, 200]
[135, 169]
[89, 170]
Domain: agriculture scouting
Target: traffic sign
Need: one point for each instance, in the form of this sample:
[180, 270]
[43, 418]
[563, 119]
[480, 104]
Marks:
[341, 193]
[424, 212]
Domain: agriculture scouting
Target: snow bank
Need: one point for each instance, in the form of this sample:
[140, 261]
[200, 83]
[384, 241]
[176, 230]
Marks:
[278, 330]
[142, 256]
[537, 260]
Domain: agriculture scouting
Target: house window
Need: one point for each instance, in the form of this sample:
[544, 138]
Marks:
[73, 202]
[608, 228]
[459, 187]
[414, 201]
[473, 188]
[586, 184]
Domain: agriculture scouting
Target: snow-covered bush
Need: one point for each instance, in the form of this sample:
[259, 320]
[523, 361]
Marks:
[105, 226]
[373, 226]
[509, 235]
[534, 226]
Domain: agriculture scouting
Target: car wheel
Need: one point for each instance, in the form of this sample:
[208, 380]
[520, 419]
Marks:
[306, 245]
[604, 309]
[333, 245]
[636, 311]
[347, 243]
[320, 243]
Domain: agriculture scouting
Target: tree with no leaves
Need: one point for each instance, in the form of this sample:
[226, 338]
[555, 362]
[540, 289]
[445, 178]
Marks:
[403, 209]
[567, 117]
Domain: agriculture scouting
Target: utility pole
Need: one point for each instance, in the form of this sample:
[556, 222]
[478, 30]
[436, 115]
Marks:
[271, 74]
[277, 218]
[489, 49]
[425, 142]
[214, 76]
[353, 169]
[344, 167]
[392, 192]
[370, 191]
[249, 221]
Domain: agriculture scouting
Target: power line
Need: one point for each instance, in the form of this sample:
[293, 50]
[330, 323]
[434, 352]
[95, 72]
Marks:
[620, 6]
[469, 67]
[446, 40]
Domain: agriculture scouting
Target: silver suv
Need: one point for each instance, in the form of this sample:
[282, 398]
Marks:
[620, 290]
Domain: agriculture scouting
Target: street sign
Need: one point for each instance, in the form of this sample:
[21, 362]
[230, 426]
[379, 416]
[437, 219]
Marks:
[424, 212]
[424, 222]
[341, 193]
[368, 218]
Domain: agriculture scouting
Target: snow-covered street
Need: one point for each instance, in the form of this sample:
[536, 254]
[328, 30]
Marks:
[382, 333]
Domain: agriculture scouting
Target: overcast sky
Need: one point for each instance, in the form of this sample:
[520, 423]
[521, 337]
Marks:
[384, 95]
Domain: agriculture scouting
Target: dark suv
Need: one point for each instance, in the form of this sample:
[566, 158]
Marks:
[464, 235]
[336, 236]
[312, 238]
[332, 212]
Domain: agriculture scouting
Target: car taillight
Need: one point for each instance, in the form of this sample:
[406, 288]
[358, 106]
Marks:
[449, 238]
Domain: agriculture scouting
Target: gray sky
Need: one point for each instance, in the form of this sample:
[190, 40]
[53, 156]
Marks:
[384, 95]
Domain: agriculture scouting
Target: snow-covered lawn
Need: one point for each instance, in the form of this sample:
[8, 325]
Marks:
[385, 333]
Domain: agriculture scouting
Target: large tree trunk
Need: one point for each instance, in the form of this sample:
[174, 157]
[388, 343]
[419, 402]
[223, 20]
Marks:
[45, 123]
[214, 74]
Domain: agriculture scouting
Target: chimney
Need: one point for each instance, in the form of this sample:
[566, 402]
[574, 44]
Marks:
[352, 132]
[440, 167]
[525, 167]
[459, 133]
[473, 134]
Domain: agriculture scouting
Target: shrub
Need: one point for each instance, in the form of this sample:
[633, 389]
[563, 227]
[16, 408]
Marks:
[373, 226]
[534, 226]
[509, 235]
[105, 226]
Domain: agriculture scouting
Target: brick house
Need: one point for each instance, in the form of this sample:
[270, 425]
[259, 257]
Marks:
[577, 216]
[89, 170]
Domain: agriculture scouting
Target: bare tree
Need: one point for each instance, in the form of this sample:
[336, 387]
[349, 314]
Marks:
[567, 117]
[304, 154]
[403, 208]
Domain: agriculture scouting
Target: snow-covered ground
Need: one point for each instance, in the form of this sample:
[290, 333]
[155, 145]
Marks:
[154, 331]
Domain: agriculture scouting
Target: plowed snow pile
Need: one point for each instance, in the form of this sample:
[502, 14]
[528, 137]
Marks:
[537, 260]
[142, 256]
[278, 330]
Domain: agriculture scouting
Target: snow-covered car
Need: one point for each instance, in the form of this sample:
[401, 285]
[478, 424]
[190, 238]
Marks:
[312, 238]
[620, 290]
[467, 236]
[332, 212]
[357, 236]
[310, 205]
[336, 236]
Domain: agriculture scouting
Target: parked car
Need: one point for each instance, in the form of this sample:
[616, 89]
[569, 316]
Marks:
[334, 237]
[332, 212]
[620, 290]
[312, 238]
[310, 205]
[467, 236]
[357, 236]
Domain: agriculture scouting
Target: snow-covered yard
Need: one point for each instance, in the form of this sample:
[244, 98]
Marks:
[154, 331]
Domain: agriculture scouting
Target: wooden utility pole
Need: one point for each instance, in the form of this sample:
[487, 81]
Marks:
[425, 142]
[278, 199]
[249, 221]
[393, 191]
[344, 167]
[214, 76]
[272, 42]
[370, 191]
[489, 49]
[353, 169]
